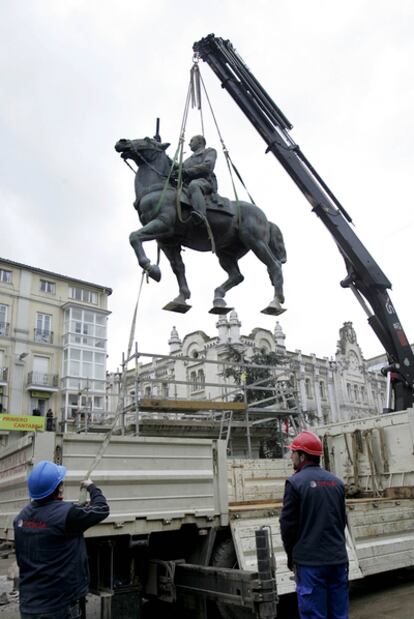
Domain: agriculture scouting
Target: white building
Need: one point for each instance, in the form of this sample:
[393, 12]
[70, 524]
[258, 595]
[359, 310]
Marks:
[53, 335]
[326, 389]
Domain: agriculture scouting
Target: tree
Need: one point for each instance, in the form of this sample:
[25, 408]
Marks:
[267, 383]
[263, 378]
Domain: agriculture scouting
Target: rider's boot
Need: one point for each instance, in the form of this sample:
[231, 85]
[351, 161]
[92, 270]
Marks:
[199, 204]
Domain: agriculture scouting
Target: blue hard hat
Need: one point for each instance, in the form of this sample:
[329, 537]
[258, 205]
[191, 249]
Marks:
[45, 478]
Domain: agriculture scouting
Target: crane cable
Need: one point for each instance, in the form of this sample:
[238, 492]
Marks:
[230, 165]
[193, 96]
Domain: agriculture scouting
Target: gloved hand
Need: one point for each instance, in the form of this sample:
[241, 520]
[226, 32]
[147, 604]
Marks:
[86, 483]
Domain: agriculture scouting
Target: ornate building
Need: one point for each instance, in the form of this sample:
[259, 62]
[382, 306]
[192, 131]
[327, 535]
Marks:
[325, 389]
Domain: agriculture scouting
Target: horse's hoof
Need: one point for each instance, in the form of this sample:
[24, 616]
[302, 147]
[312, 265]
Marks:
[154, 272]
[177, 305]
[274, 308]
[220, 307]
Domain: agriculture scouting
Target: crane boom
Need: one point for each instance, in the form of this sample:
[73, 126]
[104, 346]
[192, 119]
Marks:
[364, 276]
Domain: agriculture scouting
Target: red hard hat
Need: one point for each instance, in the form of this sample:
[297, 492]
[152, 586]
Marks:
[307, 442]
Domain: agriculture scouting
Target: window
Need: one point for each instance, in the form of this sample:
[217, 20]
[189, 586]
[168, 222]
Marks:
[349, 392]
[308, 388]
[84, 364]
[200, 379]
[82, 294]
[356, 393]
[5, 276]
[48, 287]
[4, 327]
[43, 330]
[322, 389]
[193, 381]
[40, 374]
[3, 370]
[85, 328]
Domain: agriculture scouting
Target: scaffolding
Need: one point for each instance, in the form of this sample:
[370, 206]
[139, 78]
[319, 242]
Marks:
[174, 395]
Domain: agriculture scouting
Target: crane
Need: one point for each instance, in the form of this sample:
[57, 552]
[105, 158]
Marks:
[363, 275]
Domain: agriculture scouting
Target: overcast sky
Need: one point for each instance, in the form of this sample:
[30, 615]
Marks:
[78, 75]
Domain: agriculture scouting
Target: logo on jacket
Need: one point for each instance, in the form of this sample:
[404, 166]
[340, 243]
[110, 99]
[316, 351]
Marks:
[315, 484]
[31, 524]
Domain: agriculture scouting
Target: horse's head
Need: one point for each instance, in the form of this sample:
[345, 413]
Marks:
[140, 151]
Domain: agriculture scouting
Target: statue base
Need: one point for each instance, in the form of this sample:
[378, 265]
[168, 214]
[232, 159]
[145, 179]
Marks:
[175, 306]
[216, 309]
[271, 310]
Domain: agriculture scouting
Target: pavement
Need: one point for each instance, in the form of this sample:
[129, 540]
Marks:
[9, 598]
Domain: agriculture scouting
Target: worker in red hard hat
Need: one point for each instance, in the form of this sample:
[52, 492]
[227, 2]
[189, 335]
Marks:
[50, 548]
[312, 525]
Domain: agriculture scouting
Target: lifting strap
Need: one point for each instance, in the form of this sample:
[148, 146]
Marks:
[122, 392]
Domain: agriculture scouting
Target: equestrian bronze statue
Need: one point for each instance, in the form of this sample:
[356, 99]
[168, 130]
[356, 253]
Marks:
[231, 228]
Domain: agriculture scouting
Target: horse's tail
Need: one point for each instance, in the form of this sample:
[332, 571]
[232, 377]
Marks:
[277, 244]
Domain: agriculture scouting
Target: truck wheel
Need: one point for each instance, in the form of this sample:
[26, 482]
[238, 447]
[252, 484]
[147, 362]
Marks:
[225, 556]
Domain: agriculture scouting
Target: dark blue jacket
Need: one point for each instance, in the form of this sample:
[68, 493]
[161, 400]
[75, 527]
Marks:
[313, 518]
[51, 551]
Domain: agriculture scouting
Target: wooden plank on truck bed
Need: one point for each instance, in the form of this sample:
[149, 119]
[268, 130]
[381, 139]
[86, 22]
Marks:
[176, 406]
[399, 492]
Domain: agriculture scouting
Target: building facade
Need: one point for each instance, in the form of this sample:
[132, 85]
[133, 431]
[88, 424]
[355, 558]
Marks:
[53, 340]
[326, 390]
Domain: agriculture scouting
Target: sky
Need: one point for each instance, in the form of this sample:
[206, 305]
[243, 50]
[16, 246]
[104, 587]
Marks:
[78, 75]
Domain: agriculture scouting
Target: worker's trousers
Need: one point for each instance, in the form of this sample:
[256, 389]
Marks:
[322, 591]
[74, 611]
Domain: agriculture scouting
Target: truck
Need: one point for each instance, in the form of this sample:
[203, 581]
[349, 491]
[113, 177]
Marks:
[197, 530]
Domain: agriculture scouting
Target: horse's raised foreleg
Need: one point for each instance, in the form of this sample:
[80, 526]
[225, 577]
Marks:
[173, 253]
[154, 230]
[229, 264]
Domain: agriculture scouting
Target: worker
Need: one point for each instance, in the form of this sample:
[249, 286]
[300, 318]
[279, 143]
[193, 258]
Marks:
[312, 525]
[50, 547]
[198, 173]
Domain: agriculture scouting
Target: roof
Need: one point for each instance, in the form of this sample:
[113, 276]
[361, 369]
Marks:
[19, 265]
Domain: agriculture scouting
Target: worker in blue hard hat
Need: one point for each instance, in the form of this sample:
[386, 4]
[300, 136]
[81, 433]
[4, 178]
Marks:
[50, 547]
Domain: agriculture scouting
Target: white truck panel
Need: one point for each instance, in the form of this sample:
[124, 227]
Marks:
[145, 479]
[257, 480]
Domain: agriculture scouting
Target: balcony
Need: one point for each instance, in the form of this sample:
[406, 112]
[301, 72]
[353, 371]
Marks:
[4, 328]
[43, 336]
[42, 382]
[3, 376]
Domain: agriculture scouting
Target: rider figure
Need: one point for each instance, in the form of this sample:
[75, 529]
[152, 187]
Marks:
[199, 171]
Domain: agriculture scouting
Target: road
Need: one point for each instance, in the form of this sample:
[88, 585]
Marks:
[388, 595]
[378, 597]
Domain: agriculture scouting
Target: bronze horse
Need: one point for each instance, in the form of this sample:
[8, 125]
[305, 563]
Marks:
[236, 228]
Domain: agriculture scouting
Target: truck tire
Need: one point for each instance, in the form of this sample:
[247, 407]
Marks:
[224, 555]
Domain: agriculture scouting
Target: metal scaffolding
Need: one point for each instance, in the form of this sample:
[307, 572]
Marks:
[174, 395]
